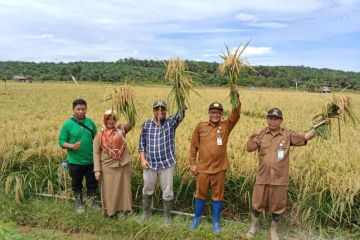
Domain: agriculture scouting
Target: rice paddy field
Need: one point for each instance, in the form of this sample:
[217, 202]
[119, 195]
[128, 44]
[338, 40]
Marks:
[324, 188]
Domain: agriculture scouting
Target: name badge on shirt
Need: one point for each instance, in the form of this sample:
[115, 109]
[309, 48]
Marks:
[281, 154]
[219, 139]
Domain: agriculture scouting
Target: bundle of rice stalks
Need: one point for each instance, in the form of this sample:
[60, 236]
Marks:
[232, 66]
[177, 75]
[339, 108]
[123, 101]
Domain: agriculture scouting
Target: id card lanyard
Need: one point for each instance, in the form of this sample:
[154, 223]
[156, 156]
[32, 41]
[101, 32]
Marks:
[218, 138]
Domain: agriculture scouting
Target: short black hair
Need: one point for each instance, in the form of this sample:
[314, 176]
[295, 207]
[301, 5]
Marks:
[79, 101]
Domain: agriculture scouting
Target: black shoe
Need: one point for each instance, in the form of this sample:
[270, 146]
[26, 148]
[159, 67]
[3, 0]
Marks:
[113, 216]
[79, 206]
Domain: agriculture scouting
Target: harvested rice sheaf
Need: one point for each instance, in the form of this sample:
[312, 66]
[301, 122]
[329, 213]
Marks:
[178, 76]
[232, 67]
[123, 101]
[340, 108]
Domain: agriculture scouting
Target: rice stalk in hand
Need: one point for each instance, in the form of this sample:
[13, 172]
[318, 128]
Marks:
[340, 108]
[123, 101]
[232, 67]
[182, 84]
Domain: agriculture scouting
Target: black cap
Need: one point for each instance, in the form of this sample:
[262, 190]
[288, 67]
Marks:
[275, 112]
[216, 105]
[159, 103]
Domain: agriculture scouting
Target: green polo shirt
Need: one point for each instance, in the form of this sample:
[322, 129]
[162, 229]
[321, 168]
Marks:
[71, 132]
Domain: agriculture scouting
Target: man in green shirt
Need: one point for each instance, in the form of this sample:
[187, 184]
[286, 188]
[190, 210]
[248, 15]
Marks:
[76, 135]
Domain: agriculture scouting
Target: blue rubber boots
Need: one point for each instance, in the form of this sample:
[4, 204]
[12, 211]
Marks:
[216, 211]
[199, 207]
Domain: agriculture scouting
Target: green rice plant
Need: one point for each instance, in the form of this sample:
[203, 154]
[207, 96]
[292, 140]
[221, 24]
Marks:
[340, 108]
[232, 67]
[123, 101]
[182, 84]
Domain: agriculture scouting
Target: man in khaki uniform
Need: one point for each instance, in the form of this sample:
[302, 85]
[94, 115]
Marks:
[270, 190]
[210, 139]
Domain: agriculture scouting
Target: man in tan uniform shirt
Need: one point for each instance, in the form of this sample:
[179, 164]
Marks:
[210, 139]
[270, 190]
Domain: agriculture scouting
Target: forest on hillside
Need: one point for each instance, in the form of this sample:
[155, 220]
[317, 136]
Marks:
[137, 71]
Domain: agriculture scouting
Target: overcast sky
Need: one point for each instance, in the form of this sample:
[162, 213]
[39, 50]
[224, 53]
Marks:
[315, 33]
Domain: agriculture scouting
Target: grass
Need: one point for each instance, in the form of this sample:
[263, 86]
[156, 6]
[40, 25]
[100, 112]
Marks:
[324, 176]
[52, 219]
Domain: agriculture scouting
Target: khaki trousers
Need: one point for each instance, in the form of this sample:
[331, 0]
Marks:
[166, 181]
[269, 198]
[215, 182]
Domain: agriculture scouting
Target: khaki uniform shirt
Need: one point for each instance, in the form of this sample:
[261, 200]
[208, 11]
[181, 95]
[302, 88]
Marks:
[272, 170]
[212, 157]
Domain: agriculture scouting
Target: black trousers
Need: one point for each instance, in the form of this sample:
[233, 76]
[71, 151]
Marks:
[77, 174]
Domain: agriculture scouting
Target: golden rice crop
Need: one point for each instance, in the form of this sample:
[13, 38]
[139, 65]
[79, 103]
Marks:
[340, 108]
[177, 75]
[324, 175]
[123, 101]
[232, 67]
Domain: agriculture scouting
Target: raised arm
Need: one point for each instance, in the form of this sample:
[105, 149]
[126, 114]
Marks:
[177, 118]
[235, 113]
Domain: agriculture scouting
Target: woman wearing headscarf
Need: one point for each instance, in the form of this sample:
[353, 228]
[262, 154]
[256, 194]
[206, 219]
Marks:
[112, 165]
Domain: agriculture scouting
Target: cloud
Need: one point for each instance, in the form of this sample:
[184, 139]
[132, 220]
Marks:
[111, 29]
[268, 24]
[252, 20]
[47, 35]
[254, 51]
[248, 52]
[211, 30]
[246, 17]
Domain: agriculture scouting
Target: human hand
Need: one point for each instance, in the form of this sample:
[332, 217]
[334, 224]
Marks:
[327, 121]
[234, 88]
[145, 164]
[98, 176]
[193, 169]
[75, 146]
[256, 132]
[255, 135]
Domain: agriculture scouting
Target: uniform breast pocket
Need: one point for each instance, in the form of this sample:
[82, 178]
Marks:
[264, 148]
[203, 134]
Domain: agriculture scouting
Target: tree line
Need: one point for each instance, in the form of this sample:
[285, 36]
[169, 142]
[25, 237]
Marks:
[137, 71]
